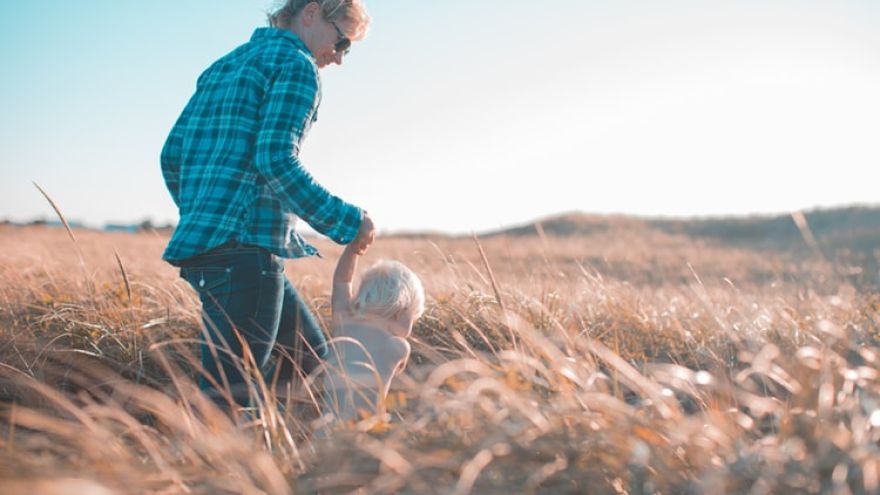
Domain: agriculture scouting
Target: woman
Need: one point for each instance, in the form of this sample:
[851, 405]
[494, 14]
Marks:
[231, 163]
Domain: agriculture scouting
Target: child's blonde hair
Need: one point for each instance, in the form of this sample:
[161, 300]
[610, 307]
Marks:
[389, 289]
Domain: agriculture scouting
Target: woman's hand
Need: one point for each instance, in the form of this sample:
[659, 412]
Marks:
[365, 235]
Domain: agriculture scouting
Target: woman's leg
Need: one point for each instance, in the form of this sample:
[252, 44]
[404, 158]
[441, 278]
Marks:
[241, 289]
[300, 341]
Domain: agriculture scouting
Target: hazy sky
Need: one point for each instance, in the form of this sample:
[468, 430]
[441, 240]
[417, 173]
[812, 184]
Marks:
[462, 115]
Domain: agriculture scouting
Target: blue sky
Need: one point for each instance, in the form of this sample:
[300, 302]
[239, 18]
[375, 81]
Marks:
[469, 115]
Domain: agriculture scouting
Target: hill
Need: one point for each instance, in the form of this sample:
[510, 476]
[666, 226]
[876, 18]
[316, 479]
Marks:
[850, 235]
[856, 228]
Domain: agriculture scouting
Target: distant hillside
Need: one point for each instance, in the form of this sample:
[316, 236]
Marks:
[856, 228]
[853, 228]
[849, 234]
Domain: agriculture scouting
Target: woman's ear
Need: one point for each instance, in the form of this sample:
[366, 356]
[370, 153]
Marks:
[310, 14]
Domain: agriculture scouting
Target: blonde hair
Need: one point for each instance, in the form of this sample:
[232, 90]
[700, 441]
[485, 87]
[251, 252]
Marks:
[351, 12]
[389, 289]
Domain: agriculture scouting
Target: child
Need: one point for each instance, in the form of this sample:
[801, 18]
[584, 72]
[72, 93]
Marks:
[368, 345]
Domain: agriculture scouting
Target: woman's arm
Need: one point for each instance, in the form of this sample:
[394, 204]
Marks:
[286, 113]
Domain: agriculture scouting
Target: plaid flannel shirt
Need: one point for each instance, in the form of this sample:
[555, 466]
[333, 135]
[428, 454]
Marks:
[231, 161]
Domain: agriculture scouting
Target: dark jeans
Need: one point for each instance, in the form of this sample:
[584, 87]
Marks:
[243, 288]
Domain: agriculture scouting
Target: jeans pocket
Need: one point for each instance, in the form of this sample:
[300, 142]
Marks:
[271, 265]
[212, 284]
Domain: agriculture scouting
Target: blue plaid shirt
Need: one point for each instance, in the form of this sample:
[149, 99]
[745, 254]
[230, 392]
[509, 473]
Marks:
[231, 161]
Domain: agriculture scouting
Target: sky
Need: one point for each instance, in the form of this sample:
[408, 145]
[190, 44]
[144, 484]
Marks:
[469, 115]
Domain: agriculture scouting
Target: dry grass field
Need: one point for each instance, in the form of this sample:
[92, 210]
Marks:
[627, 361]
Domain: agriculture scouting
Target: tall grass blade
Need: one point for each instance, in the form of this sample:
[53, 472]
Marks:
[806, 232]
[485, 260]
[79, 254]
[124, 275]
[57, 211]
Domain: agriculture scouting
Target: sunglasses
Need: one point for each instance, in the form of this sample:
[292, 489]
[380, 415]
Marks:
[343, 44]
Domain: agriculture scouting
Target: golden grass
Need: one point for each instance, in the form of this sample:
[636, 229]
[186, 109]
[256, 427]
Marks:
[625, 362]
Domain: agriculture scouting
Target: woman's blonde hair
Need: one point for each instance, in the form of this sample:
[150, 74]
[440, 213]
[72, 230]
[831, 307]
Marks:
[389, 289]
[351, 12]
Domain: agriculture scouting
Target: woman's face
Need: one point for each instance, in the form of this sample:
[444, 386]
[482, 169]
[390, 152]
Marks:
[322, 36]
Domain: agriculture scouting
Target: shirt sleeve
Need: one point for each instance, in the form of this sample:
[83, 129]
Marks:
[285, 115]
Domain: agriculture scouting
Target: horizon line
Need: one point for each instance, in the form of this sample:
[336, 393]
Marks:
[147, 223]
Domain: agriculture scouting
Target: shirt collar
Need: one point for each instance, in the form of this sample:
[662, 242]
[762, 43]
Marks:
[272, 32]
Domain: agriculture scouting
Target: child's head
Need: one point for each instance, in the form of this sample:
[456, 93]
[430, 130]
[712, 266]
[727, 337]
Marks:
[391, 291]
